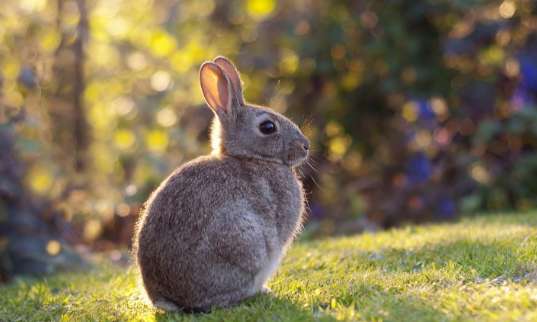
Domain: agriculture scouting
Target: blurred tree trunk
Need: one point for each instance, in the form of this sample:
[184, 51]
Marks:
[69, 123]
[30, 239]
[80, 130]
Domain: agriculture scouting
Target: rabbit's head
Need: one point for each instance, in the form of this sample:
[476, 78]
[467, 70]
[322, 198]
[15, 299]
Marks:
[244, 130]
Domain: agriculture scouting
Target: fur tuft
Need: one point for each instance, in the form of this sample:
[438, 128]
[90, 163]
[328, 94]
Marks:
[216, 137]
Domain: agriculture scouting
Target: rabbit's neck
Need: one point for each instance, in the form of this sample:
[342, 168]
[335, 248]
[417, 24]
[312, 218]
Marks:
[255, 160]
[281, 192]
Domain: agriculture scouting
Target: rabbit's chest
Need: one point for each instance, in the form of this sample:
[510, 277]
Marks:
[282, 202]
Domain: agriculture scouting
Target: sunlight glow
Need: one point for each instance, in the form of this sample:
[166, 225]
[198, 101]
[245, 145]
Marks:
[423, 139]
[160, 81]
[512, 68]
[507, 9]
[166, 117]
[53, 247]
[480, 174]
[136, 61]
[123, 210]
[32, 5]
[92, 229]
[439, 107]
[123, 105]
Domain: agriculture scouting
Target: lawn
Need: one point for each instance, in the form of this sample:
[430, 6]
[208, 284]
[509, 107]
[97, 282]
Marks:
[482, 268]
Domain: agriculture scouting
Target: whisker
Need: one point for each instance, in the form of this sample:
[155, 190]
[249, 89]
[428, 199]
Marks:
[300, 173]
[316, 184]
[312, 160]
[313, 163]
[312, 177]
[308, 163]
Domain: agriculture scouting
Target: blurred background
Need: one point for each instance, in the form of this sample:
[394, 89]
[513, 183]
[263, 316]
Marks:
[418, 111]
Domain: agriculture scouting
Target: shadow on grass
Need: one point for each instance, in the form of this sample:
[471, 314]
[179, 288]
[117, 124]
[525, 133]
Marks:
[262, 307]
[380, 305]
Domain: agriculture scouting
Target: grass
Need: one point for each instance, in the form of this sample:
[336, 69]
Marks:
[483, 268]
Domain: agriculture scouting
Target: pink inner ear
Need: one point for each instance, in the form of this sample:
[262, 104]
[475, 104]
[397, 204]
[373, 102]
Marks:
[223, 92]
[215, 87]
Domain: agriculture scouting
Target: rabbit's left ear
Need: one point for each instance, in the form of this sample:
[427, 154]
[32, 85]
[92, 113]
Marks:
[216, 88]
[233, 74]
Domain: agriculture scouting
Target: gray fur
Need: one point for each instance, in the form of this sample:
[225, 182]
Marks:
[216, 229]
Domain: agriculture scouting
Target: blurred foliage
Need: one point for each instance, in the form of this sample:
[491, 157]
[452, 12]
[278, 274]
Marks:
[417, 110]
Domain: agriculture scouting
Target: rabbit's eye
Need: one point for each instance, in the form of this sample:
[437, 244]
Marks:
[267, 127]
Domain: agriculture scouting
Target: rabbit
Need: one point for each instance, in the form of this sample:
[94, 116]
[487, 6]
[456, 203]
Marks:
[216, 229]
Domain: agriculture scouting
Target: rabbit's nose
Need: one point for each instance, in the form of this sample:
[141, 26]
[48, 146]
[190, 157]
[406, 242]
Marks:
[304, 144]
[301, 144]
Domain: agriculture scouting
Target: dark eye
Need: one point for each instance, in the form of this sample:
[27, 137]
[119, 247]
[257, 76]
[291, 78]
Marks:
[267, 127]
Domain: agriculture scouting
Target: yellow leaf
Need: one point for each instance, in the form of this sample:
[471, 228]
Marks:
[259, 9]
[333, 128]
[289, 62]
[40, 179]
[351, 80]
[157, 140]
[493, 55]
[49, 41]
[124, 139]
[162, 43]
[338, 146]
[410, 112]
[10, 68]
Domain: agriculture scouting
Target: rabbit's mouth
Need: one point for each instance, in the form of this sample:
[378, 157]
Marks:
[296, 162]
[298, 152]
[296, 157]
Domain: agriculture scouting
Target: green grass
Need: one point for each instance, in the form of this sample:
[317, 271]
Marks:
[484, 268]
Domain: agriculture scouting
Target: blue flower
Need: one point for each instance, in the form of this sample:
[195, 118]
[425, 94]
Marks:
[418, 168]
[521, 98]
[425, 111]
[27, 77]
[446, 208]
[528, 70]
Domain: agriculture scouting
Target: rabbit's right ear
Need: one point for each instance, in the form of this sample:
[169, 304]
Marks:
[233, 74]
[216, 88]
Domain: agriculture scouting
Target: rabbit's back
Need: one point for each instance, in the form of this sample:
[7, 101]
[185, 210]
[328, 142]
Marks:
[198, 207]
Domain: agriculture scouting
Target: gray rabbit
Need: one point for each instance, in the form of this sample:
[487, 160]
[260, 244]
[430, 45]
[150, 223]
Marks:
[215, 230]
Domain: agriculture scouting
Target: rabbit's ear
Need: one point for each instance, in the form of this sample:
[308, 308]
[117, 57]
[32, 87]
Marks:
[216, 88]
[233, 74]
